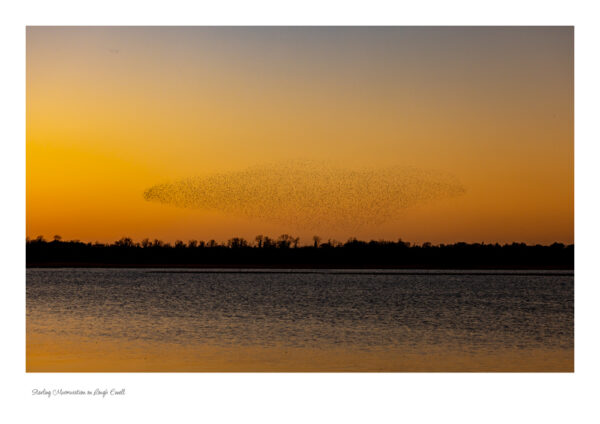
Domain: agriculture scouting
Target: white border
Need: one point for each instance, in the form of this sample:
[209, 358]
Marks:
[502, 398]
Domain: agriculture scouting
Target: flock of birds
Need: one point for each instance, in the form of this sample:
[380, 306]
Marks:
[309, 194]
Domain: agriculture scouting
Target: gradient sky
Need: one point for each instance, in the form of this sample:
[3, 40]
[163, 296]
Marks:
[112, 111]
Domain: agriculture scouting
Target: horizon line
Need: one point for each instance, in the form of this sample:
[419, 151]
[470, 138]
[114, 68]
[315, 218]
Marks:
[283, 240]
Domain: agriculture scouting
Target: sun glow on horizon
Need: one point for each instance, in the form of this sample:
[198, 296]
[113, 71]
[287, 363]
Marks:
[115, 111]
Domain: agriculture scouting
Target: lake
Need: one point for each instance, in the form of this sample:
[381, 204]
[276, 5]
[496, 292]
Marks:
[187, 320]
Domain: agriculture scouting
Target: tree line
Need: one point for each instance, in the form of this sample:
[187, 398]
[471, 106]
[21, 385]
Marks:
[286, 250]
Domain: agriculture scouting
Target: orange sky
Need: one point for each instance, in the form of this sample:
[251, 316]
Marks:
[113, 111]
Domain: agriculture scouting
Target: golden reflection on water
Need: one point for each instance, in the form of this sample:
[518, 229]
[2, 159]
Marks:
[139, 321]
[55, 354]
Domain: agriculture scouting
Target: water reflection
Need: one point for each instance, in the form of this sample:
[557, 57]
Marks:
[143, 320]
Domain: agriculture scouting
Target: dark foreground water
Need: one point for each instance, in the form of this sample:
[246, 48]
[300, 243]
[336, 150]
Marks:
[298, 320]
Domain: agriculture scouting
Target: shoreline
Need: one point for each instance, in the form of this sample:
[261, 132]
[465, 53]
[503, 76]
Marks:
[415, 267]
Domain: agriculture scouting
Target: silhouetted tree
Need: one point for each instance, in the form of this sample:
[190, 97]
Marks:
[237, 243]
[284, 241]
[316, 240]
[124, 242]
[402, 243]
[268, 242]
[354, 243]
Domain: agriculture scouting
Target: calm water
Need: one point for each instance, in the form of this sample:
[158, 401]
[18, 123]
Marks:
[331, 320]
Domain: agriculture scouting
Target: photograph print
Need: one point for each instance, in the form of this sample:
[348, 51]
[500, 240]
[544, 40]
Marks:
[299, 199]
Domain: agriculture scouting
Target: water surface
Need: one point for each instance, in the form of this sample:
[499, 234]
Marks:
[82, 319]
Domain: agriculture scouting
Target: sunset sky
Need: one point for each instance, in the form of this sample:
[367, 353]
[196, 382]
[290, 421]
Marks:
[112, 112]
